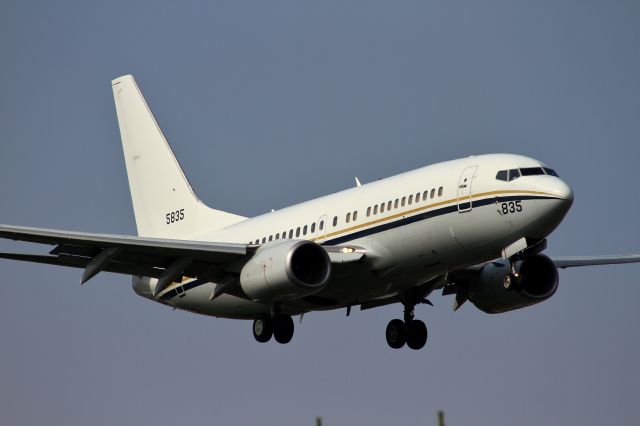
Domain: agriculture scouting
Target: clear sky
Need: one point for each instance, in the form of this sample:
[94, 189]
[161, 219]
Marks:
[271, 103]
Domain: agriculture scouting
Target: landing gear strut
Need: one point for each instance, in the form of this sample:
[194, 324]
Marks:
[411, 331]
[511, 280]
[279, 326]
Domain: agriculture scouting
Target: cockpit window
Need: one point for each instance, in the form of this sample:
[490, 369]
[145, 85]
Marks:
[509, 175]
[532, 171]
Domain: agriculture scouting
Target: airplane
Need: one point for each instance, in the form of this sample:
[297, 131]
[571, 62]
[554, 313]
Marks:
[474, 228]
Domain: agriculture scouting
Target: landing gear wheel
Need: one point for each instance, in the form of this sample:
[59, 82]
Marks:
[509, 281]
[416, 334]
[396, 333]
[262, 328]
[282, 328]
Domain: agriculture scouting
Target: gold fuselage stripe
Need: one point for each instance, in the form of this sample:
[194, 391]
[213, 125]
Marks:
[395, 216]
[423, 208]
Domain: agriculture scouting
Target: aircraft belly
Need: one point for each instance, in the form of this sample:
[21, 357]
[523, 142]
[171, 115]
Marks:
[225, 306]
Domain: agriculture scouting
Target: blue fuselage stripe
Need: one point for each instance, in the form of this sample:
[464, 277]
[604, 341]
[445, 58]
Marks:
[383, 227]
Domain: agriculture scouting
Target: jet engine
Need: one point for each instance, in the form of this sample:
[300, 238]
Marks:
[496, 290]
[288, 269]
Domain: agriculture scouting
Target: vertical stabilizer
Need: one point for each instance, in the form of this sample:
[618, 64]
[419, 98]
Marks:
[164, 203]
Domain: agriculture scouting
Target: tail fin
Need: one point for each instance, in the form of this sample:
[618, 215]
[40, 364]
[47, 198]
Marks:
[164, 203]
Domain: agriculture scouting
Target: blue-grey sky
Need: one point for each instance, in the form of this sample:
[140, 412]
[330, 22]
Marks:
[271, 103]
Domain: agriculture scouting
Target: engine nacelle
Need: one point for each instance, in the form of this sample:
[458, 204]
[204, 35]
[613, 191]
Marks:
[537, 280]
[287, 269]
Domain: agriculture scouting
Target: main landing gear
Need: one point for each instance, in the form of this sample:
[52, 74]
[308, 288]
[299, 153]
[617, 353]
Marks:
[411, 331]
[279, 326]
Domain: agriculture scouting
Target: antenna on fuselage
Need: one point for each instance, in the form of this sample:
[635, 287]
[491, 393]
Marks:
[358, 184]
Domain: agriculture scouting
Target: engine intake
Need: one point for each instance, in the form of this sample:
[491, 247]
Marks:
[536, 281]
[288, 269]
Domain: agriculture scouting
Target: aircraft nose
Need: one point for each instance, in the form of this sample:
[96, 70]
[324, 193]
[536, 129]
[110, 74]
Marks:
[556, 187]
[557, 198]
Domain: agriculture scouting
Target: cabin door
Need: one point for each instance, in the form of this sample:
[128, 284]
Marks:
[464, 189]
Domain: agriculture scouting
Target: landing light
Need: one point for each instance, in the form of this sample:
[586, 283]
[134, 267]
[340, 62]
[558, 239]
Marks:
[348, 250]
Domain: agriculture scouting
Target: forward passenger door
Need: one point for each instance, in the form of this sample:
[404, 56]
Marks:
[464, 189]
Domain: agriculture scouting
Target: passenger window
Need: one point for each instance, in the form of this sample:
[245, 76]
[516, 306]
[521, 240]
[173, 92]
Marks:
[278, 236]
[410, 199]
[313, 227]
[389, 205]
[321, 225]
[375, 209]
[433, 193]
[418, 197]
[304, 230]
[395, 204]
[335, 220]
[257, 241]
[382, 208]
[425, 195]
[355, 215]
[404, 199]
[514, 174]
[264, 240]
[298, 231]
[502, 175]
[290, 233]
[440, 192]
[368, 211]
[348, 217]
[270, 237]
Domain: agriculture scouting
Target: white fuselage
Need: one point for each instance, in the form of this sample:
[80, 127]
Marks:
[414, 226]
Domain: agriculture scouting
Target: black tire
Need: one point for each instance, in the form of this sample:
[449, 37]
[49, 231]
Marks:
[416, 334]
[283, 328]
[262, 328]
[396, 333]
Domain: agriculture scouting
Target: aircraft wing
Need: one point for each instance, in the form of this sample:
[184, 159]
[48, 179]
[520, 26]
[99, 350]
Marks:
[167, 260]
[150, 257]
[574, 261]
